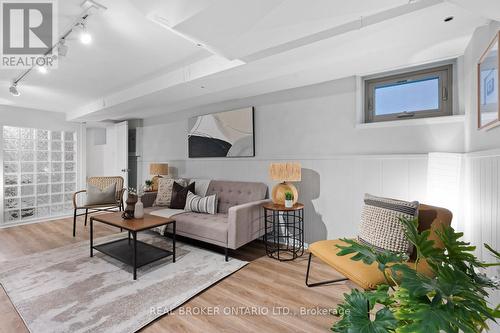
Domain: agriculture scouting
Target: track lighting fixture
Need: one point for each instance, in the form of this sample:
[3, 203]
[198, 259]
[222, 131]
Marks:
[13, 90]
[89, 8]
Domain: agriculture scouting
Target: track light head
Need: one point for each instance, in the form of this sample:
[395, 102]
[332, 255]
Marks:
[62, 48]
[85, 37]
[13, 90]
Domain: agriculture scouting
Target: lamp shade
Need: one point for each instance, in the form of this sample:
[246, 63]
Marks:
[285, 172]
[158, 169]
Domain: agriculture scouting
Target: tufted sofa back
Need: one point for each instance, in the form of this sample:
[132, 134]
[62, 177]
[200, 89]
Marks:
[236, 193]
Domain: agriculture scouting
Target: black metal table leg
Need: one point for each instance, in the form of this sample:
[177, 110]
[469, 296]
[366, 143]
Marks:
[173, 242]
[91, 237]
[129, 237]
[278, 233]
[134, 255]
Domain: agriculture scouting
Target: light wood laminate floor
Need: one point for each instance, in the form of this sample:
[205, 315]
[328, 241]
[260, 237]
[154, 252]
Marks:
[265, 296]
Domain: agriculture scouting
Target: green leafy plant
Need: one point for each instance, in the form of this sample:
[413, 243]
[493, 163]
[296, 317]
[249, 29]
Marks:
[452, 301]
[148, 182]
[288, 196]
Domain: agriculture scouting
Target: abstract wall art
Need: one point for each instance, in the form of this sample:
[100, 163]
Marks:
[223, 134]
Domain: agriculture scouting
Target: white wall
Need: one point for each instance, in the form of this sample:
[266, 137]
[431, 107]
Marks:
[478, 140]
[332, 188]
[318, 120]
[101, 158]
[316, 126]
[483, 202]
[482, 158]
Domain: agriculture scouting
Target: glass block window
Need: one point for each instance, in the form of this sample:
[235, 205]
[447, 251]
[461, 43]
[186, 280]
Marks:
[39, 169]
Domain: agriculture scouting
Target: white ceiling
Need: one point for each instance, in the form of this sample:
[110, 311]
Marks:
[136, 67]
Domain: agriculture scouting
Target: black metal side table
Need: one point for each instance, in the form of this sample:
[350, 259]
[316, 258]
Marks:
[284, 231]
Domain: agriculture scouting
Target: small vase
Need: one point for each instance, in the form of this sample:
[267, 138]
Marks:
[288, 203]
[139, 209]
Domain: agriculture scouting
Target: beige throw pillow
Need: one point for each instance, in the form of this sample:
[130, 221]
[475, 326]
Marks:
[96, 196]
[164, 195]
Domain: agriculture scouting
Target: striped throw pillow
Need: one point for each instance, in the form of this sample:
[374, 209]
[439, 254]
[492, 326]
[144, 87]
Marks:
[380, 224]
[197, 204]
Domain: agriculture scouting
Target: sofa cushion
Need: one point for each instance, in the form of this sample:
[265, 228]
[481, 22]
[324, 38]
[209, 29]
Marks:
[381, 227]
[201, 186]
[232, 193]
[213, 227]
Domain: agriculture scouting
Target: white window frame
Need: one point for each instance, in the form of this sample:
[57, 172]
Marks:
[443, 72]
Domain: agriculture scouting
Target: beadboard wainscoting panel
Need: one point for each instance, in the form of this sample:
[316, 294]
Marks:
[445, 184]
[332, 188]
[483, 195]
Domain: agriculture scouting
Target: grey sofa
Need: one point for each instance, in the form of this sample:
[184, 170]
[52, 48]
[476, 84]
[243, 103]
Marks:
[239, 219]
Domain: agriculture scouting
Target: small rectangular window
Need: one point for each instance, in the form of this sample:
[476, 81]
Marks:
[418, 94]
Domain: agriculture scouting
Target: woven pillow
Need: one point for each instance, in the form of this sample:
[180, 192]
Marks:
[198, 204]
[164, 195]
[380, 224]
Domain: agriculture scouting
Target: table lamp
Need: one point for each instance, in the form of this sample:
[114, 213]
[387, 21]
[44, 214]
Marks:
[284, 173]
[157, 170]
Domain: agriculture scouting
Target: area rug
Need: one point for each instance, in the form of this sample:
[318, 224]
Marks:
[64, 290]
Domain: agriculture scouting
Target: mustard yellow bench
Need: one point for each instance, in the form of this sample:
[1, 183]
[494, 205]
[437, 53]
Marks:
[368, 276]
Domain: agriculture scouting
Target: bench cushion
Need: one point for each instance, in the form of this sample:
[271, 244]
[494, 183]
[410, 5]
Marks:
[366, 276]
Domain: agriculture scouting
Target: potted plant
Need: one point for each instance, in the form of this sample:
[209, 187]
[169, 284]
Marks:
[288, 199]
[454, 300]
[148, 187]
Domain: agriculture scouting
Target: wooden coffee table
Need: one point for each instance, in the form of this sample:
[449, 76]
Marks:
[135, 253]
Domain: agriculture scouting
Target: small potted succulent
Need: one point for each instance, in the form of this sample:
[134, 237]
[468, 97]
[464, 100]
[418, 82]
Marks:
[148, 187]
[288, 199]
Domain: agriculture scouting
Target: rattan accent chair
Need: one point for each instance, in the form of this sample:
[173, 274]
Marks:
[101, 183]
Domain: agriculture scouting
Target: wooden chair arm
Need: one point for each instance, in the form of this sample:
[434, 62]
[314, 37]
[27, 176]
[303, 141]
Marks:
[74, 197]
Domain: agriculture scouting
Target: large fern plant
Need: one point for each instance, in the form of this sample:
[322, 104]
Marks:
[453, 301]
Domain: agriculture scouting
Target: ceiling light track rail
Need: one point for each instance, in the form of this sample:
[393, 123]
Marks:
[90, 7]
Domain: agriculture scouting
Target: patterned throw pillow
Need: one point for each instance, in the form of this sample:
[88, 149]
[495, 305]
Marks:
[380, 224]
[164, 195]
[197, 204]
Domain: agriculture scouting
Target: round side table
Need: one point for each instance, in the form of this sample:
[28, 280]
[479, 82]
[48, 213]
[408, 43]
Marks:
[284, 231]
